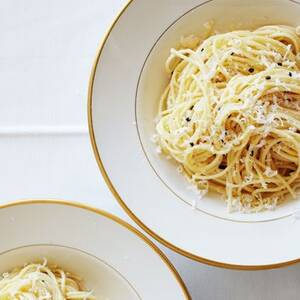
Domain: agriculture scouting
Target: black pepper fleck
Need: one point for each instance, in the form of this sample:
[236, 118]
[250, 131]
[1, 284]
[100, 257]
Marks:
[192, 144]
[290, 74]
[202, 49]
[188, 119]
[268, 77]
[191, 107]
[251, 70]
[232, 53]
[279, 64]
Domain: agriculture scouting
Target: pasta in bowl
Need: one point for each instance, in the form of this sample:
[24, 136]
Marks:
[42, 281]
[56, 272]
[230, 115]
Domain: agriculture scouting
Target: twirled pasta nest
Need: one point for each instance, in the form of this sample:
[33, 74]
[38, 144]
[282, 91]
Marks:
[230, 115]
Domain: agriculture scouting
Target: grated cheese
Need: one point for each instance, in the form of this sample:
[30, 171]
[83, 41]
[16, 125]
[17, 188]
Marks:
[270, 173]
[191, 41]
[158, 150]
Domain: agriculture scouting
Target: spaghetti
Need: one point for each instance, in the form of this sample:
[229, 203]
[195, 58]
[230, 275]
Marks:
[39, 281]
[230, 115]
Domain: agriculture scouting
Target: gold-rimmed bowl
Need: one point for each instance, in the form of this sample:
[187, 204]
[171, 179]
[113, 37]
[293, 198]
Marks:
[111, 257]
[126, 82]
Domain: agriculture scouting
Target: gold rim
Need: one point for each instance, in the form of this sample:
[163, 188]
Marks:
[115, 219]
[118, 197]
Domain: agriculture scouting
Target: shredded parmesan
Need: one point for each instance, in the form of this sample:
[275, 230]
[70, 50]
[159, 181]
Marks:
[269, 172]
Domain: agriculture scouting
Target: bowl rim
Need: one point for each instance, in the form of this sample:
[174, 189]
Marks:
[114, 218]
[115, 192]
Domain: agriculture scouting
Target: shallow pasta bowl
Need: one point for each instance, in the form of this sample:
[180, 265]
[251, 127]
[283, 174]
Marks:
[112, 258]
[126, 82]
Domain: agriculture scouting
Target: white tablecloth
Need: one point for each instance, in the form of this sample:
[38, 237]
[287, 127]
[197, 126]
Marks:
[46, 51]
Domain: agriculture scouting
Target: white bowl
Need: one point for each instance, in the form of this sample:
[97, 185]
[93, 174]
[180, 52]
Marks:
[113, 259]
[126, 82]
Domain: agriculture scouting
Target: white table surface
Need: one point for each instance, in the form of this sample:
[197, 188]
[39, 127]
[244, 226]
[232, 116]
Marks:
[46, 52]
